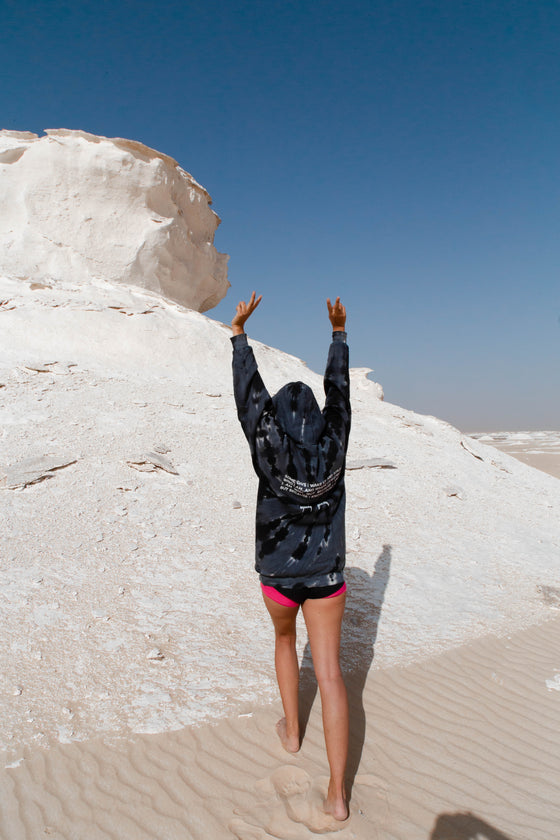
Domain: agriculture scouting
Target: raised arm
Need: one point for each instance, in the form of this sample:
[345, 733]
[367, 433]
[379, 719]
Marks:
[337, 378]
[251, 396]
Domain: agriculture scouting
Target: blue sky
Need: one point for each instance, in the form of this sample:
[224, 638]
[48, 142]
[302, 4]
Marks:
[401, 154]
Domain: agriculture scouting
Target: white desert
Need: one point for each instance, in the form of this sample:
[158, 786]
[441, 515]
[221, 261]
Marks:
[138, 697]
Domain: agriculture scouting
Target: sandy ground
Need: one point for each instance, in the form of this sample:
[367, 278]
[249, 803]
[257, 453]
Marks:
[465, 746]
[541, 461]
[547, 463]
[538, 449]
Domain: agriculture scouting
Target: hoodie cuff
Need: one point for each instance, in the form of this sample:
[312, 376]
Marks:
[339, 335]
[239, 340]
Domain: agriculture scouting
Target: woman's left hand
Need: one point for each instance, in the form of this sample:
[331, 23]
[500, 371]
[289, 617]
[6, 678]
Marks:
[243, 312]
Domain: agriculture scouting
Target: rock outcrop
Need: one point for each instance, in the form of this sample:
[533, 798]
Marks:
[75, 207]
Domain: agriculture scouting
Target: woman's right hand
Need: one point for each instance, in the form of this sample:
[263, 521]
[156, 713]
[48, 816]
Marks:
[337, 315]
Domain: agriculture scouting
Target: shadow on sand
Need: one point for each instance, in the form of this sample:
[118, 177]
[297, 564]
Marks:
[464, 826]
[359, 631]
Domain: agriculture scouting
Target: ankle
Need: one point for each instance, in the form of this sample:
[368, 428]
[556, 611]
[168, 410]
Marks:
[336, 803]
[336, 790]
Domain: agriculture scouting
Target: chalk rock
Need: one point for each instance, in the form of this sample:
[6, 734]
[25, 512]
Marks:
[76, 207]
[359, 377]
[156, 655]
[151, 461]
[454, 490]
[470, 449]
[32, 470]
[365, 463]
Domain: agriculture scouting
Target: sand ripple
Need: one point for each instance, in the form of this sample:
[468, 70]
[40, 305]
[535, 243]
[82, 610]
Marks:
[462, 747]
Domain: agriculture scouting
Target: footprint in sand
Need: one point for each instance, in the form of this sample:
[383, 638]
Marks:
[290, 805]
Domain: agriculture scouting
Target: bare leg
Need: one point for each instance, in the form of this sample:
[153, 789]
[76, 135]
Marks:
[287, 671]
[323, 618]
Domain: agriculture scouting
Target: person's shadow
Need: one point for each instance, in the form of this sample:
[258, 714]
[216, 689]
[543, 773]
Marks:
[359, 631]
[464, 826]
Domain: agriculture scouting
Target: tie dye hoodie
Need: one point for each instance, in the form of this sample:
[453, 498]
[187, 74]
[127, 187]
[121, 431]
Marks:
[298, 453]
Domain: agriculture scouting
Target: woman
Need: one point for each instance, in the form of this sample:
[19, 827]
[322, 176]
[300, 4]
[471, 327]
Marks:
[298, 453]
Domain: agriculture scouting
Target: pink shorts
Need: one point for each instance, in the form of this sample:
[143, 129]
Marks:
[294, 597]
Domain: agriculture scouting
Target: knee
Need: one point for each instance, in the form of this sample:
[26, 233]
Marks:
[329, 678]
[286, 638]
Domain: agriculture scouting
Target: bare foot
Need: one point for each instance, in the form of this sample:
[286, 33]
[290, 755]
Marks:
[289, 742]
[336, 806]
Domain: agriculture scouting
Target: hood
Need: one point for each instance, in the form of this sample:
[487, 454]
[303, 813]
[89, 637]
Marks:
[298, 414]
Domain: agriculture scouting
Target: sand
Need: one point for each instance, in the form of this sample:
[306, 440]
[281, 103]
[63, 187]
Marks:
[537, 449]
[548, 463]
[463, 745]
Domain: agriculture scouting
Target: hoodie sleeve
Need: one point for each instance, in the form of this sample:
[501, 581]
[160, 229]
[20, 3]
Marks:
[251, 396]
[337, 411]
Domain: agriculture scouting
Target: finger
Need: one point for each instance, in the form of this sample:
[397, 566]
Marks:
[254, 303]
[329, 305]
[252, 299]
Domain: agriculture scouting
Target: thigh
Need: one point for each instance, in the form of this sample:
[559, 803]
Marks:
[323, 618]
[283, 618]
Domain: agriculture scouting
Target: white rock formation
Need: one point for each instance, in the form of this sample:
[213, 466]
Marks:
[75, 207]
